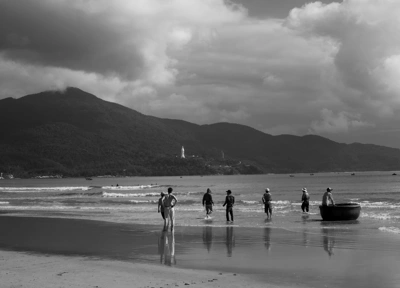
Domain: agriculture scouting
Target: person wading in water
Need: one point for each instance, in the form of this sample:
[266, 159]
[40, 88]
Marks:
[305, 198]
[208, 202]
[169, 201]
[266, 199]
[229, 202]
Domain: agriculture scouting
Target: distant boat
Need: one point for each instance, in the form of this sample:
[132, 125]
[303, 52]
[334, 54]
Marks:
[312, 174]
[352, 174]
[291, 175]
[394, 174]
[340, 212]
[88, 178]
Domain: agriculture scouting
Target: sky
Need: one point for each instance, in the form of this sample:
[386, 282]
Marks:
[329, 68]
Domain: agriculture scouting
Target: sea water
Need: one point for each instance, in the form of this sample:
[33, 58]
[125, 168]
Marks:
[134, 199]
[292, 248]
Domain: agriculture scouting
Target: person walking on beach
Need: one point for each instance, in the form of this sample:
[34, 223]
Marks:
[305, 199]
[229, 202]
[169, 201]
[327, 197]
[161, 207]
[208, 202]
[266, 199]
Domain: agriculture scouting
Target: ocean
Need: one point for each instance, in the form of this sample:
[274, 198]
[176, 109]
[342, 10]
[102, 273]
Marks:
[135, 199]
[294, 249]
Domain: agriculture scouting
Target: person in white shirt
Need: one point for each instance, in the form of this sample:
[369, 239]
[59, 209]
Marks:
[328, 197]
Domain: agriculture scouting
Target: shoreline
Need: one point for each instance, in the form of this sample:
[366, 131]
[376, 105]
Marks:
[279, 257]
[36, 253]
[311, 173]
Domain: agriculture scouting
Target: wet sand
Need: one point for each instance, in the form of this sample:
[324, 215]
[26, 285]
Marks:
[85, 253]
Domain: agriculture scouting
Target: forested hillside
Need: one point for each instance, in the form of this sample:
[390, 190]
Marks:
[74, 133]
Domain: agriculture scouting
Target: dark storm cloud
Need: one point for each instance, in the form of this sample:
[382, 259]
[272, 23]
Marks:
[330, 69]
[60, 35]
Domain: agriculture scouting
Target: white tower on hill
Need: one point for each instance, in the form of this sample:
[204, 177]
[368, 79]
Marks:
[183, 153]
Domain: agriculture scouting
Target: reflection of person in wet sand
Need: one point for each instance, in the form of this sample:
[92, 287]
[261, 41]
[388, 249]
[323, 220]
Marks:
[267, 238]
[230, 240]
[166, 248]
[328, 241]
[207, 237]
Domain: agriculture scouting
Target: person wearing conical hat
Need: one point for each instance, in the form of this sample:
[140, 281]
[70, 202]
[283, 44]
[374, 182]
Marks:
[305, 199]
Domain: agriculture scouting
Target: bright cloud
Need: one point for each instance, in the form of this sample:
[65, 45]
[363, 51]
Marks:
[325, 68]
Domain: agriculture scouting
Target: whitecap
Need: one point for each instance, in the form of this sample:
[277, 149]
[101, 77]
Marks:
[127, 195]
[390, 229]
[136, 187]
[42, 189]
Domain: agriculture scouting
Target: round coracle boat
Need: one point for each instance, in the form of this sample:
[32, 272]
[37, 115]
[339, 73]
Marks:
[340, 212]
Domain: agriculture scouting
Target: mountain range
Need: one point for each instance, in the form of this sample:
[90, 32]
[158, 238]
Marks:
[74, 133]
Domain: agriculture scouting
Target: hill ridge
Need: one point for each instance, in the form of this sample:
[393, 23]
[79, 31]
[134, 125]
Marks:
[75, 133]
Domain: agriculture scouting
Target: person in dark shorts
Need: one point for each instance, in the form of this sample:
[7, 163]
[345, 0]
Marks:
[305, 199]
[266, 199]
[229, 202]
[208, 202]
[160, 206]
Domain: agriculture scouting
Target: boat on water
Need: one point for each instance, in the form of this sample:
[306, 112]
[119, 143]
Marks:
[88, 178]
[340, 211]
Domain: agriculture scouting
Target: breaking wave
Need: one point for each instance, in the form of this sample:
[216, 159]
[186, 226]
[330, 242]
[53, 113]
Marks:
[390, 229]
[42, 189]
[128, 195]
[136, 187]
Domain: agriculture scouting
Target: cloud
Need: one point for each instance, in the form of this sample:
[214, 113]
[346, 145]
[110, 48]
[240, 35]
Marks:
[129, 39]
[337, 123]
[324, 68]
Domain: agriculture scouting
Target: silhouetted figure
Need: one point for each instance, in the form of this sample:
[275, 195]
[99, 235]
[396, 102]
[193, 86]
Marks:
[161, 208]
[166, 248]
[230, 240]
[168, 202]
[266, 199]
[229, 202]
[305, 199]
[207, 237]
[208, 202]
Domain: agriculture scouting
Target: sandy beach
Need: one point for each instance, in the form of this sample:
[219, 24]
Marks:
[55, 252]
[44, 271]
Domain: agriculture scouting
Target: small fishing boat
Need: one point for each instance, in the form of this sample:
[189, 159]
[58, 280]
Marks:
[340, 211]
[88, 178]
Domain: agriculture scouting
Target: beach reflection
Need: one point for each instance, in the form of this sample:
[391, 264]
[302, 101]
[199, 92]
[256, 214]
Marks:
[306, 240]
[166, 248]
[207, 237]
[267, 238]
[230, 240]
[328, 240]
